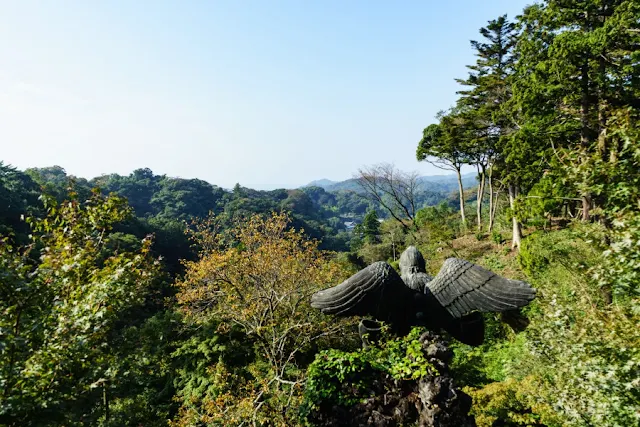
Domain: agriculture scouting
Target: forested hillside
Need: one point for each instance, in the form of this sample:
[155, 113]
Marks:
[158, 301]
[163, 204]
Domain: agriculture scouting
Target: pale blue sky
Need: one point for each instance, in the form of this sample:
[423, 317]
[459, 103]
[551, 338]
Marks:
[264, 93]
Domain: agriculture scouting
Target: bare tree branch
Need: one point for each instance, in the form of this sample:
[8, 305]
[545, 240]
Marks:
[394, 190]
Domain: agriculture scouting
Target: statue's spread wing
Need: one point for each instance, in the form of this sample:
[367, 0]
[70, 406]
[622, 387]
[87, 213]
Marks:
[376, 290]
[462, 287]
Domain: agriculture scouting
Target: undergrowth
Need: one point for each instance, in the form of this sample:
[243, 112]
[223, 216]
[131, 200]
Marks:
[578, 361]
[346, 378]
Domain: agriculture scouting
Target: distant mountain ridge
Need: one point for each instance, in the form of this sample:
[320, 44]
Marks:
[322, 183]
[443, 183]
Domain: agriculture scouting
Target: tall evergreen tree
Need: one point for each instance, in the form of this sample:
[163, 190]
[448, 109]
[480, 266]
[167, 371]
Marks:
[577, 68]
[488, 89]
[371, 227]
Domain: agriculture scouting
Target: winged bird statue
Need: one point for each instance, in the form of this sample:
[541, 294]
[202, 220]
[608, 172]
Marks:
[451, 301]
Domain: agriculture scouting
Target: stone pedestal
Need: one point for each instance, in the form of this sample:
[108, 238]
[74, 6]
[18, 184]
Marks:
[430, 401]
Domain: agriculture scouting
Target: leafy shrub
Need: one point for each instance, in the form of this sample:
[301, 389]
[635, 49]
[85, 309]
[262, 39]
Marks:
[620, 269]
[260, 285]
[493, 263]
[505, 402]
[531, 259]
[580, 362]
[497, 237]
[345, 378]
[63, 301]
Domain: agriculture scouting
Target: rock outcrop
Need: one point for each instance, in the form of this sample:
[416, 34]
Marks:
[430, 401]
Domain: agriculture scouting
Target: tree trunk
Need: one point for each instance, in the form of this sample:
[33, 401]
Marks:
[492, 211]
[105, 402]
[493, 200]
[586, 207]
[461, 192]
[584, 132]
[482, 172]
[517, 229]
[584, 106]
[602, 118]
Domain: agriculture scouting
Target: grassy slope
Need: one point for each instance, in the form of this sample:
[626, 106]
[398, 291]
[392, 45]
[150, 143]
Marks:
[578, 361]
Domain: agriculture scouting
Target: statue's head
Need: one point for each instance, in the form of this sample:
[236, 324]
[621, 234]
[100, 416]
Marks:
[411, 261]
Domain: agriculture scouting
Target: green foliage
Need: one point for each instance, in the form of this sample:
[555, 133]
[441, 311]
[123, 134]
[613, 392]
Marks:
[576, 364]
[439, 225]
[371, 252]
[163, 204]
[259, 284]
[60, 310]
[503, 403]
[586, 353]
[55, 182]
[555, 105]
[442, 143]
[549, 196]
[143, 392]
[479, 366]
[206, 350]
[18, 196]
[532, 261]
[620, 270]
[550, 107]
[342, 377]
[493, 263]
[431, 214]
[346, 378]
[619, 185]
[357, 238]
[496, 237]
[371, 227]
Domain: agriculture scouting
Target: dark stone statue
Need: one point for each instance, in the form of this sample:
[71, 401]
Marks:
[451, 301]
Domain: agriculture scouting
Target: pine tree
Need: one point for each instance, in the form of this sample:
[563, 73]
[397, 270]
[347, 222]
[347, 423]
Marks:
[371, 227]
[489, 87]
[576, 71]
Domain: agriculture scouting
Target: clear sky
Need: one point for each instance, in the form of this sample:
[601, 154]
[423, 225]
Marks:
[270, 93]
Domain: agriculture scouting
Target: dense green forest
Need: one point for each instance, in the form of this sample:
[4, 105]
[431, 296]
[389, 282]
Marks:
[150, 300]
